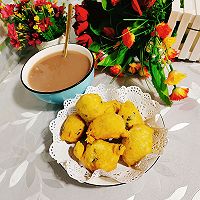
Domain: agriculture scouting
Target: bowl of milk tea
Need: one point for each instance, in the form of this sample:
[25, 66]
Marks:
[53, 78]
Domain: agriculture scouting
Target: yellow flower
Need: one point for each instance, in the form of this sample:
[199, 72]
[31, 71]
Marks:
[174, 77]
[49, 8]
[169, 41]
[19, 15]
[21, 26]
[37, 28]
[36, 18]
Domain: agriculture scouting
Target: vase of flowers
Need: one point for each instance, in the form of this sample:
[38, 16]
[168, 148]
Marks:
[43, 45]
[130, 37]
[31, 23]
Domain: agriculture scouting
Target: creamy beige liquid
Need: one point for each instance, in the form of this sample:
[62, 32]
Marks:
[54, 72]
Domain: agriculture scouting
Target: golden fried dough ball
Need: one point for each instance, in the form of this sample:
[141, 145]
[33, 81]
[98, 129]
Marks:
[99, 155]
[112, 106]
[130, 114]
[109, 125]
[72, 128]
[89, 106]
[138, 144]
[78, 150]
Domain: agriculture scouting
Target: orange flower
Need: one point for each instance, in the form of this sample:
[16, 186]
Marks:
[163, 30]
[171, 54]
[174, 77]
[144, 72]
[169, 41]
[116, 70]
[179, 93]
[128, 38]
[134, 67]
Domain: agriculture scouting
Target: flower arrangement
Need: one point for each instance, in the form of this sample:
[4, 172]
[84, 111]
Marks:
[132, 37]
[32, 22]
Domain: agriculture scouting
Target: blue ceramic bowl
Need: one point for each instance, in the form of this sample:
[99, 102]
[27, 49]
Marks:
[57, 97]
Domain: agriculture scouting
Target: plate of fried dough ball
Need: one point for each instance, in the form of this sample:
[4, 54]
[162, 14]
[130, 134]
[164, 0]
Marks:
[108, 136]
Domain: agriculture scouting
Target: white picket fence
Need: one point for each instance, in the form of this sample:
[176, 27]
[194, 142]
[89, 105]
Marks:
[187, 22]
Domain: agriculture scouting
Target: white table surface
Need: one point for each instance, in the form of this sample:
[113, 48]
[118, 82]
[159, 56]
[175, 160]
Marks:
[28, 173]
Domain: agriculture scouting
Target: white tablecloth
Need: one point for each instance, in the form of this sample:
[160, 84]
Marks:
[28, 173]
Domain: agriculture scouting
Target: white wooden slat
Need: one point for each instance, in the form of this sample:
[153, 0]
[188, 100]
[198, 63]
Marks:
[190, 7]
[197, 3]
[190, 38]
[175, 15]
[181, 29]
[195, 56]
[185, 51]
[188, 16]
[176, 7]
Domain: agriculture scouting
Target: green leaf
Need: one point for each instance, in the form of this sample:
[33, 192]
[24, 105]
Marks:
[104, 4]
[110, 60]
[121, 54]
[95, 31]
[95, 47]
[158, 78]
[116, 57]
[41, 15]
[156, 75]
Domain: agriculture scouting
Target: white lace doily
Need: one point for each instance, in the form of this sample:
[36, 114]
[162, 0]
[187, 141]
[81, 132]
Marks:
[59, 150]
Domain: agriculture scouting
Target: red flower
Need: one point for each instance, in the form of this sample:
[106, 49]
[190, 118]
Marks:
[115, 2]
[45, 23]
[24, 1]
[33, 39]
[80, 27]
[163, 30]
[179, 93]
[116, 70]
[128, 38]
[58, 10]
[108, 31]
[81, 14]
[137, 5]
[18, 6]
[7, 11]
[15, 43]
[84, 40]
[12, 34]
[40, 2]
